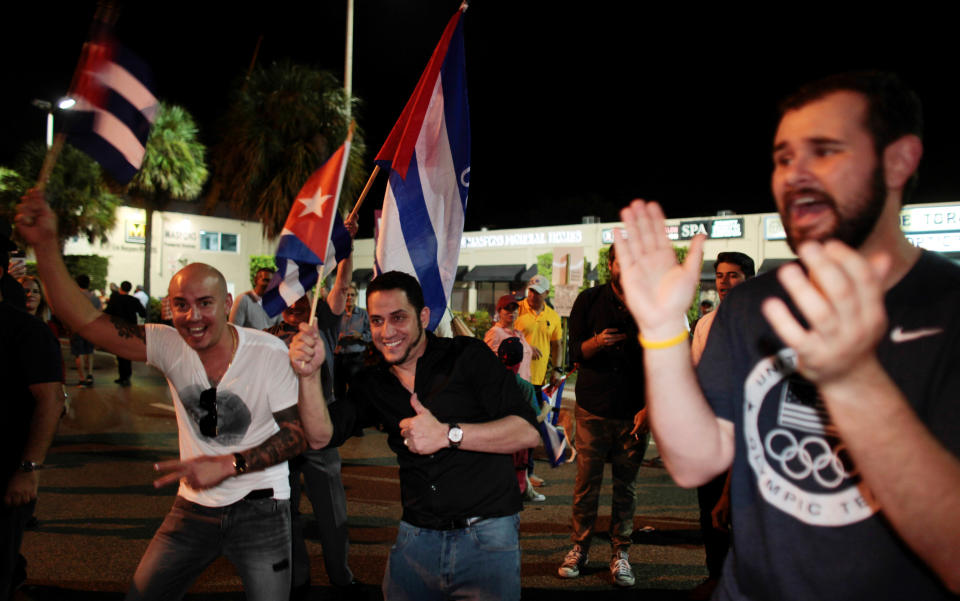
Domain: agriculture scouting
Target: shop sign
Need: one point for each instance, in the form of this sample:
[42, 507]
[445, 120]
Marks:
[712, 228]
[930, 219]
[135, 232]
[521, 239]
[773, 228]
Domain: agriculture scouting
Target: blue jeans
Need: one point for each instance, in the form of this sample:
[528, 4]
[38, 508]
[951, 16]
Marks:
[253, 534]
[481, 561]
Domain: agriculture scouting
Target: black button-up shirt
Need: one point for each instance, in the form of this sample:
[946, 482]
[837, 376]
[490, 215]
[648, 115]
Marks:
[611, 383]
[460, 381]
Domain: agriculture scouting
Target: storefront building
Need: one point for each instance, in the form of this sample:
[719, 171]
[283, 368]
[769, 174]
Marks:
[492, 262]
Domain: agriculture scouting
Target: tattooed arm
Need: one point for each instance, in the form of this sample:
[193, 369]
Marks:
[207, 471]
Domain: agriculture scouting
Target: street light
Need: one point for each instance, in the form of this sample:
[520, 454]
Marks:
[47, 106]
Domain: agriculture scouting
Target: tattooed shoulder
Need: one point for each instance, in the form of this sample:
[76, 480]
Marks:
[128, 330]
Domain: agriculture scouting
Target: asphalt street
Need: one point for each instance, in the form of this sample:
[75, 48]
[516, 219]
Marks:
[98, 509]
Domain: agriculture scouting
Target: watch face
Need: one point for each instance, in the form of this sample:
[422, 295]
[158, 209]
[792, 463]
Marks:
[455, 434]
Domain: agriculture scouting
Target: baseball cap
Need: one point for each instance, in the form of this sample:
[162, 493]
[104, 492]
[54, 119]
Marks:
[507, 300]
[539, 283]
[510, 351]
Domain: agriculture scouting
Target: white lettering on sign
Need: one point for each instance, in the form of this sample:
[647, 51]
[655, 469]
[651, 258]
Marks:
[930, 219]
[521, 239]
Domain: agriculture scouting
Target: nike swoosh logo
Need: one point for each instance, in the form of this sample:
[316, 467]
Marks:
[898, 334]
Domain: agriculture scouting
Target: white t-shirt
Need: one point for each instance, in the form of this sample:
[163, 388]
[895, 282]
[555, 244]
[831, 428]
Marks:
[257, 384]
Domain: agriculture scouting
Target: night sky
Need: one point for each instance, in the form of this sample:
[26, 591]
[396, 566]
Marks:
[574, 111]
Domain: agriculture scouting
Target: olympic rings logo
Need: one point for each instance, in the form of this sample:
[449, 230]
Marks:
[826, 465]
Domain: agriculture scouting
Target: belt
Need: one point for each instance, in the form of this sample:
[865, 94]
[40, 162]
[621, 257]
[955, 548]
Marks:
[443, 524]
[260, 493]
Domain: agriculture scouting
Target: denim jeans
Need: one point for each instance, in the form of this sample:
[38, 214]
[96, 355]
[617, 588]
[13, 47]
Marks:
[253, 534]
[600, 439]
[481, 561]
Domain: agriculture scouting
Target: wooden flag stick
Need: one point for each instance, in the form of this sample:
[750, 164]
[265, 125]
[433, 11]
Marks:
[366, 188]
[316, 299]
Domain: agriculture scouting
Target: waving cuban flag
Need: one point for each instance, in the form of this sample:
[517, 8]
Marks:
[314, 238]
[428, 154]
[115, 107]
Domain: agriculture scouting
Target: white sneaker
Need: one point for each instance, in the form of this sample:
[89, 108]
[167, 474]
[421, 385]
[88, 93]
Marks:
[620, 569]
[576, 558]
[533, 496]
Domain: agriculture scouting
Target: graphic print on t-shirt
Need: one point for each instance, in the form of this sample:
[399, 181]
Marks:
[233, 416]
[801, 466]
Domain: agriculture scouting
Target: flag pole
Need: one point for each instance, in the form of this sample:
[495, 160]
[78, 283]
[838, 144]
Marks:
[363, 195]
[316, 290]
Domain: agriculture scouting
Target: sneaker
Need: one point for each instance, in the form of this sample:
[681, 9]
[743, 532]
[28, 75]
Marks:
[575, 560]
[533, 496]
[537, 481]
[620, 569]
[89, 381]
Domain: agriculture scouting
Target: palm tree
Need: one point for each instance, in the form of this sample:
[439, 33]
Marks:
[76, 191]
[173, 169]
[283, 124]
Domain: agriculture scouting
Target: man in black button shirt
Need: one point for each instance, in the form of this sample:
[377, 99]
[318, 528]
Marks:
[453, 415]
[610, 418]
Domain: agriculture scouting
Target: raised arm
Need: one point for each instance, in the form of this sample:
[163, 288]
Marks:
[694, 443]
[337, 298]
[306, 356]
[37, 224]
[913, 476]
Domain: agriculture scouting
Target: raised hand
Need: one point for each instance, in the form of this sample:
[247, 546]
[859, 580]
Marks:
[841, 298]
[656, 289]
[307, 351]
[36, 222]
[423, 434]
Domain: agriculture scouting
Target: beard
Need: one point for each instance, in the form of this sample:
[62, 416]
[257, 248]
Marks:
[410, 347]
[854, 229]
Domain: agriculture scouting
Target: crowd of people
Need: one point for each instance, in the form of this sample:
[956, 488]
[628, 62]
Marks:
[813, 407]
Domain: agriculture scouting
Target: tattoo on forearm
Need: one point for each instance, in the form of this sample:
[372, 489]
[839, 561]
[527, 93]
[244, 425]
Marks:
[128, 330]
[285, 444]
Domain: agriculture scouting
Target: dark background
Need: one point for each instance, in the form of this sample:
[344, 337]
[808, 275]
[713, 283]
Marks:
[575, 108]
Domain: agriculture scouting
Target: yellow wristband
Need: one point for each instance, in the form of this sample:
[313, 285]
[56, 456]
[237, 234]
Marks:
[655, 344]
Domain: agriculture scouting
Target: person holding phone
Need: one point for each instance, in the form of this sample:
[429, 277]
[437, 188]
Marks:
[611, 420]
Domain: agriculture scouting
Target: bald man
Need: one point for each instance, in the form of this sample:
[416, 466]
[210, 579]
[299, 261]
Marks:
[236, 401]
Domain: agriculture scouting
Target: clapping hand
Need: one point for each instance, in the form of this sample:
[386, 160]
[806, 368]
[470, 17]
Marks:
[656, 289]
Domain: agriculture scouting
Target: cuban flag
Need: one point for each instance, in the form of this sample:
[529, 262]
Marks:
[428, 154]
[554, 438]
[553, 396]
[115, 108]
[313, 239]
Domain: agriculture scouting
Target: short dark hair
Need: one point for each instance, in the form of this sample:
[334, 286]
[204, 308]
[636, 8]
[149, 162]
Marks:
[611, 254]
[893, 109]
[83, 280]
[269, 270]
[737, 258]
[397, 280]
[125, 286]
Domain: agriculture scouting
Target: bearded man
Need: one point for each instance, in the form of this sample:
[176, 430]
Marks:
[830, 390]
[610, 416]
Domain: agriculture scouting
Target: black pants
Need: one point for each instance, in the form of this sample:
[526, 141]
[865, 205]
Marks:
[715, 542]
[125, 368]
[13, 520]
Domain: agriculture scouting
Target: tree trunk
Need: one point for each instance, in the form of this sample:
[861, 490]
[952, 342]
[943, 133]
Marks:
[147, 245]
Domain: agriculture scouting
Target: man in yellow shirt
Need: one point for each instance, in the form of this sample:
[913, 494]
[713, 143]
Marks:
[540, 325]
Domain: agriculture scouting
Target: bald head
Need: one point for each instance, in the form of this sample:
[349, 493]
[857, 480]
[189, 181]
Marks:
[196, 273]
[200, 306]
